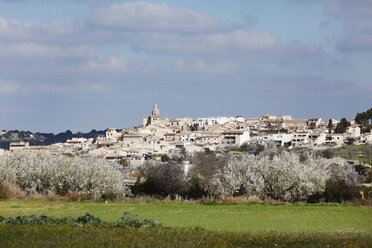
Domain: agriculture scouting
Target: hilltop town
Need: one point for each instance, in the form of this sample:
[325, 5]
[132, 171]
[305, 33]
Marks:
[157, 137]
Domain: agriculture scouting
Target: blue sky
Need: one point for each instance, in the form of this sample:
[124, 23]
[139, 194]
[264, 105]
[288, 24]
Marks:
[80, 64]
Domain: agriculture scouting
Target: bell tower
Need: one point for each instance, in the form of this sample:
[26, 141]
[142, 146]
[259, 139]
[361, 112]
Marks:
[155, 114]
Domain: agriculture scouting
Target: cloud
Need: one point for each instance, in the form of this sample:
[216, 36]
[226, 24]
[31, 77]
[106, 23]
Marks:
[7, 89]
[155, 28]
[342, 8]
[238, 44]
[349, 9]
[356, 37]
[149, 17]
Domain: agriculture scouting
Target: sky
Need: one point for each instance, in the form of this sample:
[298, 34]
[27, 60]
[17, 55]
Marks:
[93, 64]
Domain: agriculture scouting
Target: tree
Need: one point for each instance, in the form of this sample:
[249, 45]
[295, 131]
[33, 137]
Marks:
[206, 166]
[195, 127]
[41, 173]
[341, 127]
[253, 148]
[365, 120]
[164, 158]
[342, 183]
[330, 126]
[161, 179]
[284, 177]
[283, 130]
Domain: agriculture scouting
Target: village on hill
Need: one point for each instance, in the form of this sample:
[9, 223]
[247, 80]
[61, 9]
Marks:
[174, 138]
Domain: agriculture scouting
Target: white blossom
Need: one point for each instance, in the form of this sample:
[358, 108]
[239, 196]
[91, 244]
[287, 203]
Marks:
[283, 177]
[36, 172]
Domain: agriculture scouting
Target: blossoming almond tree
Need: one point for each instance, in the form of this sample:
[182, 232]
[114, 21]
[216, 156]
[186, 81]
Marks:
[283, 177]
[37, 172]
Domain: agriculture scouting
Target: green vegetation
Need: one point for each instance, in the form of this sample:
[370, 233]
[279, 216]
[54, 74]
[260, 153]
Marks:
[365, 120]
[361, 153]
[125, 221]
[342, 126]
[108, 236]
[254, 218]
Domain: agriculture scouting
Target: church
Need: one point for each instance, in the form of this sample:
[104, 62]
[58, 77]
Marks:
[154, 118]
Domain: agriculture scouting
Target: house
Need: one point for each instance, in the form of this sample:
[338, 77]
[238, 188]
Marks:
[253, 123]
[313, 123]
[317, 139]
[171, 137]
[130, 140]
[210, 138]
[282, 138]
[334, 139]
[300, 139]
[353, 132]
[17, 146]
[204, 123]
[295, 125]
[76, 141]
[235, 137]
[193, 148]
[112, 134]
[262, 139]
[368, 138]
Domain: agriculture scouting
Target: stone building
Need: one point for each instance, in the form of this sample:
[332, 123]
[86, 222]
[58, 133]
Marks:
[155, 115]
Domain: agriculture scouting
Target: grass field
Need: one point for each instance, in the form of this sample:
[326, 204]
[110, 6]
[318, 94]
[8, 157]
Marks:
[106, 236]
[325, 218]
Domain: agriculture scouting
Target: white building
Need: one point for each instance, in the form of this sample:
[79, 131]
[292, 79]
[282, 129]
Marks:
[210, 121]
[353, 132]
[112, 134]
[300, 139]
[335, 139]
[235, 137]
[282, 138]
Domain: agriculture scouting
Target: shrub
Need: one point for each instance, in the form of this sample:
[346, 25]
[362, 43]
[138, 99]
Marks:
[210, 203]
[4, 192]
[15, 193]
[234, 200]
[109, 196]
[77, 196]
[88, 218]
[134, 221]
[52, 196]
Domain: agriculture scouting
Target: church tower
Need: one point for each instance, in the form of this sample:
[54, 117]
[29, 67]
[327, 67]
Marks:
[155, 114]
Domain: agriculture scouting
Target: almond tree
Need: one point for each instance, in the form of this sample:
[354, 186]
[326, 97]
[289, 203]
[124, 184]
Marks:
[284, 177]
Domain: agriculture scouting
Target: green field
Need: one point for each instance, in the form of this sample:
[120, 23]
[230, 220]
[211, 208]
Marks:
[325, 218]
[106, 236]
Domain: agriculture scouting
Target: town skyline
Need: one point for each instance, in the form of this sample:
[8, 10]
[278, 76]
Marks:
[166, 116]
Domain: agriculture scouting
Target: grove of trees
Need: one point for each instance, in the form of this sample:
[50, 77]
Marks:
[285, 176]
[40, 173]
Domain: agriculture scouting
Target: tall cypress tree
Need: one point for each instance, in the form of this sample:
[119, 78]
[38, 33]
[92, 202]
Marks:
[330, 126]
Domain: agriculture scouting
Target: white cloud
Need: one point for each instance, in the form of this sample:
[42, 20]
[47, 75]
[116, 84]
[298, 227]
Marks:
[8, 89]
[107, 64]
[149, 17]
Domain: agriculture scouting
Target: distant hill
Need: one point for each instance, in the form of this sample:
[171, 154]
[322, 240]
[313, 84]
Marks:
[42, 138]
